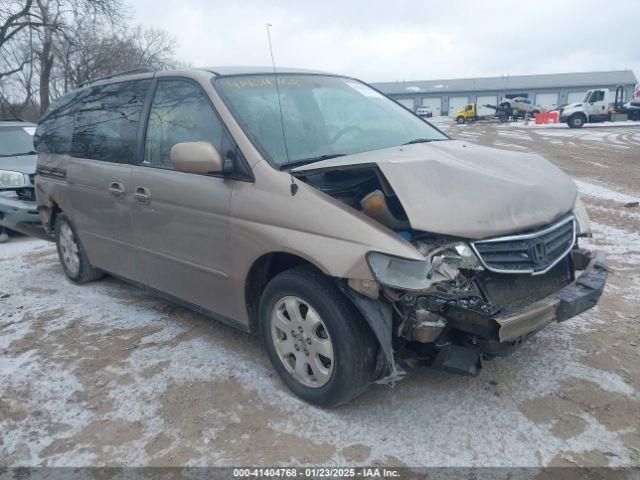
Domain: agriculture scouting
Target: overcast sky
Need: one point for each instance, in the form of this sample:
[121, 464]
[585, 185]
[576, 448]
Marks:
[405, 40]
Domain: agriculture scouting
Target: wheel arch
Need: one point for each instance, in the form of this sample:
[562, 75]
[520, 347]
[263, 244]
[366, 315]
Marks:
[263, 269]
[49, 212]
[376, 314]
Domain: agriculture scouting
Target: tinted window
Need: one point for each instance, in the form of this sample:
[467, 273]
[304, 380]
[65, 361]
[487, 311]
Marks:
[55, 129]
[181, 112]
[107, 122]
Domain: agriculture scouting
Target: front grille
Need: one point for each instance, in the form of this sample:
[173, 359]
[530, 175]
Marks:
[514, 292]
[533, 252]
[27, 194]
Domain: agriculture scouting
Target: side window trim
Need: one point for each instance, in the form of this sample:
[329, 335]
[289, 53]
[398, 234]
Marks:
[144, 126]
[141, 135]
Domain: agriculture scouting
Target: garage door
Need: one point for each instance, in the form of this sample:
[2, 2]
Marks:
[486, 100]
[547, 100]
[575, 97]
[407, 102]
[456, 104]
[434, 104]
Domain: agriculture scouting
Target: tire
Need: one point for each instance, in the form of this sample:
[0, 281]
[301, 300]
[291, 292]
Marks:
[341, 333]
[576, 121]
[71, 253]
[460, 120]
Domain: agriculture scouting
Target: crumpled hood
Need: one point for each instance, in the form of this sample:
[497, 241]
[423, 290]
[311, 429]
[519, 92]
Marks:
[466, 190]
[20, 163]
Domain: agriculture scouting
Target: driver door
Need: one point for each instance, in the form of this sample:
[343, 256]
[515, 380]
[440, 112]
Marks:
[596, 106]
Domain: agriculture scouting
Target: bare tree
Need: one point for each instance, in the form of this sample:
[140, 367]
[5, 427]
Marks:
[93, 51]
[16, 18]
[60, 19]
[48, 47]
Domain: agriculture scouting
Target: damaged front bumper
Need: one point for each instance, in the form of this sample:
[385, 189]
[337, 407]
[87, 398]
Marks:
[477, 331]
[499, 335]
[575, 298]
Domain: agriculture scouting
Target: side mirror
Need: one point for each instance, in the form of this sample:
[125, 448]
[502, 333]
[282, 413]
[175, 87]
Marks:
[196, 157]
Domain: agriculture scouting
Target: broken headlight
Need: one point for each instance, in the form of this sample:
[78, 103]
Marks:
[442, 263]
[583, 227]
[9, 179]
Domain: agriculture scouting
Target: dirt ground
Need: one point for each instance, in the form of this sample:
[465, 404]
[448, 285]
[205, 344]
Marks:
[105, 374]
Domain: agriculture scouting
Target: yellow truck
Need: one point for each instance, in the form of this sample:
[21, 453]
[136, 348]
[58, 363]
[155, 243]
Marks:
[470, 114]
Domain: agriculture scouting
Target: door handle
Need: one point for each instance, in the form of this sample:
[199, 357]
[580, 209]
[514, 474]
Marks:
[116, 189]
[142, 194]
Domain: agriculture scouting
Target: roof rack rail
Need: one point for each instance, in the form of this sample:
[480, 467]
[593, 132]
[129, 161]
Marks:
[12, 119]
[119, 74]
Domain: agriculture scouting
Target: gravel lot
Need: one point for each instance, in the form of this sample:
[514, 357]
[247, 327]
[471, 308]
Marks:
[104, 374]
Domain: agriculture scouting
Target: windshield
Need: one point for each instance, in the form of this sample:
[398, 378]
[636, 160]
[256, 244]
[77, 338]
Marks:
[16, 141]
[323, 117]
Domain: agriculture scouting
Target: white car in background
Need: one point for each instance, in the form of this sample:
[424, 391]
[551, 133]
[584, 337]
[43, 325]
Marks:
[522, 104]
[424, 112]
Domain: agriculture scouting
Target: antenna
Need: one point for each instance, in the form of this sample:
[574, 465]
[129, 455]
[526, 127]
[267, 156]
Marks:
[294, 187]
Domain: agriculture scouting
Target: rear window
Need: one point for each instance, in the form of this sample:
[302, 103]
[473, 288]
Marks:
[54, 131]
[107, 122]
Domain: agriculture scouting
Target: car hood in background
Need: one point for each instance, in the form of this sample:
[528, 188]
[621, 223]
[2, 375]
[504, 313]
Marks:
[465, 190]
[21, 163]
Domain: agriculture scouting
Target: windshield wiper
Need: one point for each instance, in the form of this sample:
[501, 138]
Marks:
[419, 140]
[305, 161]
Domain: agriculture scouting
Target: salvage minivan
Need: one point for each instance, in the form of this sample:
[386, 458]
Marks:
[356, 238]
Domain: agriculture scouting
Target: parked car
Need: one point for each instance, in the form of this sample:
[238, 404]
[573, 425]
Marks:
[522, 104]
[354, 237]
[424, 112]
[17, 172]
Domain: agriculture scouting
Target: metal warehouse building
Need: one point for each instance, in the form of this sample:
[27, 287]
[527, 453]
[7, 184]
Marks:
[445, 97]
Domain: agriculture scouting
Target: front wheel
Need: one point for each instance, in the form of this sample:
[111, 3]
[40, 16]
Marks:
[71, 253]
[460, 120]
[576, 121]
[316, 340]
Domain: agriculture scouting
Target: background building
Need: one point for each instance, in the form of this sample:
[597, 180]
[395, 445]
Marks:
[445, 97]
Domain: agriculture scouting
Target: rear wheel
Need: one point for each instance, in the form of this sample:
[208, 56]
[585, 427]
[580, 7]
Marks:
[71, 253]
[315, 338]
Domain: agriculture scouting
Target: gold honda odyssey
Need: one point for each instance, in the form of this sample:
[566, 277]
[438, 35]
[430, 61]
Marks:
[357, 239]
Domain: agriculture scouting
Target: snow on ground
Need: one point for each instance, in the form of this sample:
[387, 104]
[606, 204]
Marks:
[597, 191]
